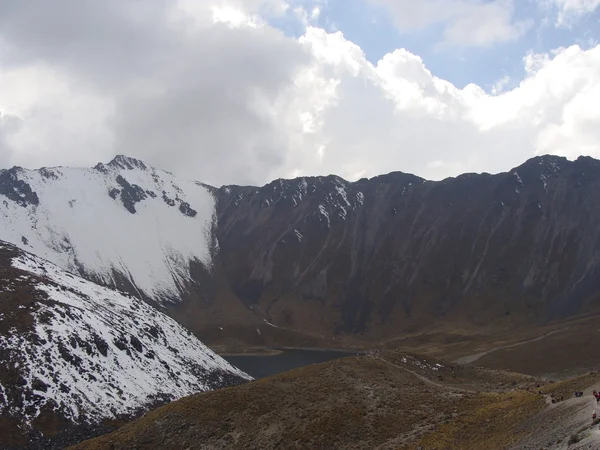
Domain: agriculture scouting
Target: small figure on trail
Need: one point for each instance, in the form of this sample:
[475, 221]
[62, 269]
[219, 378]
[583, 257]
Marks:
[594, 415]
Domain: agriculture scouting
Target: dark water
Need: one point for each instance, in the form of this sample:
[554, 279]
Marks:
[260, 366]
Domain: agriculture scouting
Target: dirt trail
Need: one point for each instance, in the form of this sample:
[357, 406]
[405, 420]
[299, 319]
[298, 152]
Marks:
[566, 425]
[425, 379]
[469, 359]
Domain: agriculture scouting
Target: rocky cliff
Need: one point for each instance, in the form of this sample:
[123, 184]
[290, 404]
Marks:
[397, 253]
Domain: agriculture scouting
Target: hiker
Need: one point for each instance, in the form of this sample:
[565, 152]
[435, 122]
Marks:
[594, 415]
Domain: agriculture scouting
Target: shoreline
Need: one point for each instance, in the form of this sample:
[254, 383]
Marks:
[274, 351]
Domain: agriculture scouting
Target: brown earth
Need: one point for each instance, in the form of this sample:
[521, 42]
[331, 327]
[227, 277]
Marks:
[386, 400]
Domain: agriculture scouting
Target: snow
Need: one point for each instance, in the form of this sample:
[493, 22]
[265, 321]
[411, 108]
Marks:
[422, 364]
[79, 227]
[97, 379]
[270, 324]
[519, 180]
[544, 181]
[360, 198]
[342, 193]
[300, 193]
[324, 213]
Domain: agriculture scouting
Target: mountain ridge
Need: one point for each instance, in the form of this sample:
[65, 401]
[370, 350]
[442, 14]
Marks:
[410, 226]
[337, 261]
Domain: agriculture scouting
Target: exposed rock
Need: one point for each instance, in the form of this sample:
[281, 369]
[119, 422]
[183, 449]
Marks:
[400, 252]
[16, 189]
[186, 210]
[130, 194]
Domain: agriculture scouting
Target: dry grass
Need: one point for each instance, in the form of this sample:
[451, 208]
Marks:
[357, 402]
[492, 418]
[566, 388]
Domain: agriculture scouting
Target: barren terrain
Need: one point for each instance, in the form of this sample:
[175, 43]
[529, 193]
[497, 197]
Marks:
[385, 400]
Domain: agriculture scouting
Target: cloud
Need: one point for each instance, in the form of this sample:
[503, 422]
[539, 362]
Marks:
[467, 23]
[398, 115]
[568, 12]
[212, 92]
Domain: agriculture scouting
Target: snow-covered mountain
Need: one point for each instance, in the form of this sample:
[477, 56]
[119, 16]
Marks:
[121, 224]
[319, 256]
[75, 353]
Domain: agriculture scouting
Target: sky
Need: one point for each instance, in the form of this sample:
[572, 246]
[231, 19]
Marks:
[247, 91]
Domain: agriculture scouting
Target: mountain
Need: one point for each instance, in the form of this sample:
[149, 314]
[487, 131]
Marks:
[397, 254]
[122, 224]
[76, 357]
[321, 261]
[128, 226]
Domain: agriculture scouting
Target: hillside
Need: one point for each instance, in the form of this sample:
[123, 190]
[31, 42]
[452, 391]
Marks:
[381, 400]
[122, 224]
[399, 255]
[77, 358]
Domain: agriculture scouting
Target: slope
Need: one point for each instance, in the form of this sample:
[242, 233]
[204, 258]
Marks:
[121, 224]
[370, 401]
[74, 355]
[397, 255]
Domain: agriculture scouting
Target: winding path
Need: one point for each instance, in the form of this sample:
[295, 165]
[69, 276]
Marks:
[425, 379]
[469, 359]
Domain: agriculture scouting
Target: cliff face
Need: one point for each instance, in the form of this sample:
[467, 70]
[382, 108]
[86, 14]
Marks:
[399, 253]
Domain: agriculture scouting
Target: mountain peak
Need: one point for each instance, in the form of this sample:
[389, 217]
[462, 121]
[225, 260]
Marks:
[124, 162]
[543, 163]
[127, 162]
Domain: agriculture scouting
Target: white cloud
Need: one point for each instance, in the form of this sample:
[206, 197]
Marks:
[500, 85]
[48, 118]
[569, 11]
[398, 116]
[235, 101]
[468, 23]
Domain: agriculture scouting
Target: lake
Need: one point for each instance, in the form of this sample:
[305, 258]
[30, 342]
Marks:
[260, 366]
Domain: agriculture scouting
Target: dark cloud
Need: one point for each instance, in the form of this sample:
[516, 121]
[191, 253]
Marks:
[187, 94]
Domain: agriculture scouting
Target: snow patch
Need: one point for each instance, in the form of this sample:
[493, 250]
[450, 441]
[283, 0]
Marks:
[325, 214]
[519, 180]
[360, 198]
[298, 235]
